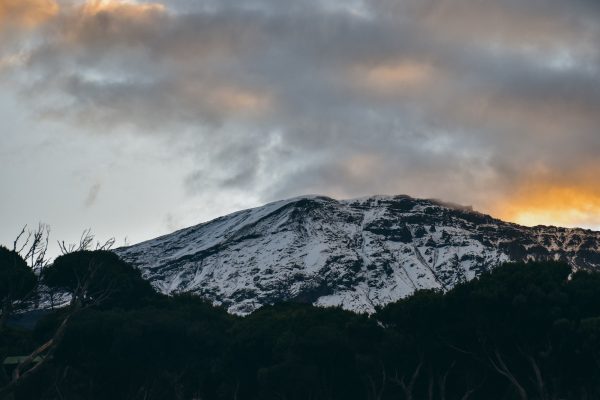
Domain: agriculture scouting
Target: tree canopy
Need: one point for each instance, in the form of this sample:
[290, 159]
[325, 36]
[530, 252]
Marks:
[522, 331]
[17, 280]
[97, 276]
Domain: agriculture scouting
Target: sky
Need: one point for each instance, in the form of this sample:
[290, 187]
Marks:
[136, 118]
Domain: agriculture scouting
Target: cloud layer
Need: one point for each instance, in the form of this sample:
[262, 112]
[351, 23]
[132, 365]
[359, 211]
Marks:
[486, 102]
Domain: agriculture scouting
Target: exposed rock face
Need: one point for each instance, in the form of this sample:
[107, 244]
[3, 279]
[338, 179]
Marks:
[357, 254]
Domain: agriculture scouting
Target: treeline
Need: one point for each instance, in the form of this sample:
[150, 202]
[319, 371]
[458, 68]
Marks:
[523, 331]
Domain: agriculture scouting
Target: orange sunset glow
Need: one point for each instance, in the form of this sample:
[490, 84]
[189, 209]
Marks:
[27, 12]
[122, 8]
[536, 204]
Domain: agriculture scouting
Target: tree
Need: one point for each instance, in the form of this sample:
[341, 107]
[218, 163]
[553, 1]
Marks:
[34, 246]
[92, 278]
[86, 242]
[17, 280]
[95, 277]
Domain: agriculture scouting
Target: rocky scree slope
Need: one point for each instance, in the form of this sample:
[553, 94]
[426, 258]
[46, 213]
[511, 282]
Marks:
[357, 254]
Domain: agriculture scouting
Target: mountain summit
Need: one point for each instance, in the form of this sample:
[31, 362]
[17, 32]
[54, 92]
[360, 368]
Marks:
[357, 254]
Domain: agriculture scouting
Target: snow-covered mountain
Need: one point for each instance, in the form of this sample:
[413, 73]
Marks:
[357, 254]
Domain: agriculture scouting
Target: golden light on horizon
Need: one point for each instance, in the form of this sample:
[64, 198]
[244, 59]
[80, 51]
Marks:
[552, 204]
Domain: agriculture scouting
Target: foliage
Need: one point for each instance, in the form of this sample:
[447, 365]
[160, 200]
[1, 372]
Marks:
[16, 278]
[523, 331]
[97, 277]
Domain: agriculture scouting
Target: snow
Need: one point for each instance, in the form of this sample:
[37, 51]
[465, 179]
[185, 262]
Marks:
[354, 254]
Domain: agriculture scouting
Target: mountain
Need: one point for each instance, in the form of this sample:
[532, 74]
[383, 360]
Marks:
[357, 254]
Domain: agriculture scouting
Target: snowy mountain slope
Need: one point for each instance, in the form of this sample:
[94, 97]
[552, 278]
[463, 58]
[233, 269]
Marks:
[353, 253]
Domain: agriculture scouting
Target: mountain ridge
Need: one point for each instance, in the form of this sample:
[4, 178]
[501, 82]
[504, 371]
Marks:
[357, 254]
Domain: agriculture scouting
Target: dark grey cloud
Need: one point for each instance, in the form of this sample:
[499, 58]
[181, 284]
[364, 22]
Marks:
[464, 100]
[92, 195]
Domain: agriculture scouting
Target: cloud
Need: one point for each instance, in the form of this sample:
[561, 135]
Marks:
[452, 99]
[394, 79]
[92, 195]
[26, 13]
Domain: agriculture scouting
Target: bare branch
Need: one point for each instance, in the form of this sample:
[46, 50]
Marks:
[87, 238]
[443, 380]
[376, 390]
[539, 379]
[85, 243]
[21, 373]
[106, 245]
[408, 387]
[16, 242]
[499, 365]
[36, 254]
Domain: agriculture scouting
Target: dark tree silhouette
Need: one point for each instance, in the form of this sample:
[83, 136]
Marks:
[17, 280]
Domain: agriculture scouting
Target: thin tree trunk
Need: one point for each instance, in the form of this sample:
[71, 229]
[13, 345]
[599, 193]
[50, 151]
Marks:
[500, 366]
[21, 374]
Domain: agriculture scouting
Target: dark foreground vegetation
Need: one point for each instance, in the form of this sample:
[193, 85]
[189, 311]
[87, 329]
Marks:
[524, 331]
